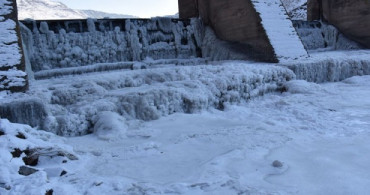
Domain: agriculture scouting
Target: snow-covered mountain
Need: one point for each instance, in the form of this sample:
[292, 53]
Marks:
[49, 9]
[99, 14]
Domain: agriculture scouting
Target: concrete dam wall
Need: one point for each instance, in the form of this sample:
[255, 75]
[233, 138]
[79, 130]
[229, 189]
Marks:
[75, 43]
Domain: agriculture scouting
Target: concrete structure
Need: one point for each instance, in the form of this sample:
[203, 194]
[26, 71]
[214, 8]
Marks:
[247, 23]
[12, 64]
[351, 17]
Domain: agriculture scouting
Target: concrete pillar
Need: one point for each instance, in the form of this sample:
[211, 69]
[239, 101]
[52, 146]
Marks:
[188, 9]
[12, 63]
[314, 10]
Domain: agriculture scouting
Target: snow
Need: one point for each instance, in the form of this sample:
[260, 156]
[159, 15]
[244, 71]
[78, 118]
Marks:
[9, 50]
[280, 31]
[12, 78]
[319, 132]
[5, 8]
[185, 126]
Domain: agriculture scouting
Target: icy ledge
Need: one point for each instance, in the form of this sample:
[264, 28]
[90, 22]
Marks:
[332, 66]
[74, 107]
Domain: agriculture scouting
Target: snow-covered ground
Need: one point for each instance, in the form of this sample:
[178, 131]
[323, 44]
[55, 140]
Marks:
[311, 139]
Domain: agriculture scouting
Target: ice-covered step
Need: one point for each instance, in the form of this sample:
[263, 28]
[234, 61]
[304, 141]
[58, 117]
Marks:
[102, 67]
[279, 29]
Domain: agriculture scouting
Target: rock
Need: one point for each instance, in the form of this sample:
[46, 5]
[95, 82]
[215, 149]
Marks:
[3, 185]
[21, 135]
[16, 153]
[26, 171]
[277, 164]
[31, 160]
[49, 192]
[2, 133]
[63, 173]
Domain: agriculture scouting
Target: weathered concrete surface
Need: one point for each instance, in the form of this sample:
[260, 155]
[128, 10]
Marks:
[188, 8]
[351, 17]
[313, 10]
[234, 21]
[12, 63]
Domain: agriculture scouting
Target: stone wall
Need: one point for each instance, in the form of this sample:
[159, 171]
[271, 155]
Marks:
[12, 64]
[351, 17]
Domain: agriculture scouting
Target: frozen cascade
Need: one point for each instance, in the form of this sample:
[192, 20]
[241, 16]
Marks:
[318, 35]
[29, 111]
[53, 45]
[73, 106]
[216, 49]
[27, 42]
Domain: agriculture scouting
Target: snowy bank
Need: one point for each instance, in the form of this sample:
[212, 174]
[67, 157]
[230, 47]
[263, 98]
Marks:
[72, 103]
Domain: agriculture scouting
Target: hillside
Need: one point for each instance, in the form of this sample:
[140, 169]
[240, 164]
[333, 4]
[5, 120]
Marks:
[48, 9]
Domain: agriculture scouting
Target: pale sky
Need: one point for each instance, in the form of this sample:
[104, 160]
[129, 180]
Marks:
[140, 8]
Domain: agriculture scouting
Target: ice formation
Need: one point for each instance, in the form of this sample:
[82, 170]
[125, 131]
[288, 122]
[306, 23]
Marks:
[215, 49]
[321, 36]
[332, 66]
[73, 107]
[86, 42]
